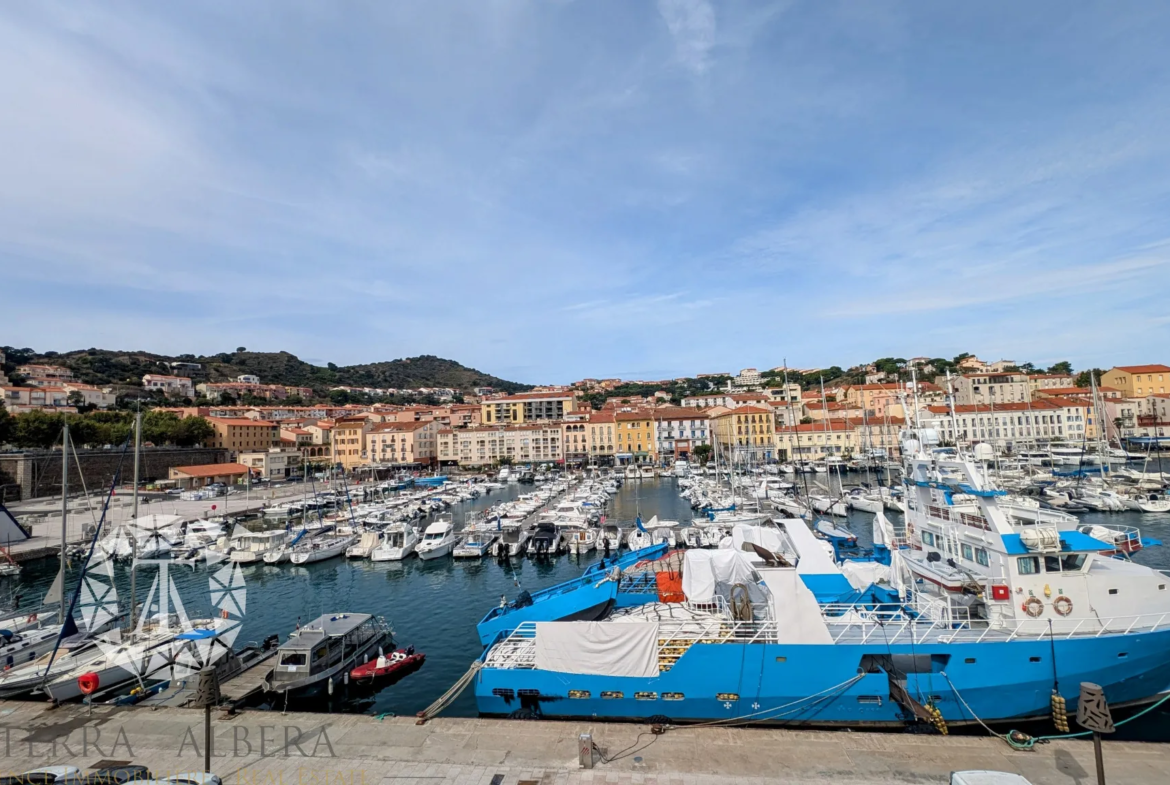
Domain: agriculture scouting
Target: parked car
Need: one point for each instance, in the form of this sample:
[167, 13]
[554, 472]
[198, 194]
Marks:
[47, 775]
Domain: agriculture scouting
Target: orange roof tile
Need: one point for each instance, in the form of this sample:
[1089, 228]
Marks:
[213, 470]
[1143, 368]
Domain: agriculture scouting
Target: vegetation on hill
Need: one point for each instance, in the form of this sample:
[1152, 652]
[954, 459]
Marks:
[42, 430]
[103, 367]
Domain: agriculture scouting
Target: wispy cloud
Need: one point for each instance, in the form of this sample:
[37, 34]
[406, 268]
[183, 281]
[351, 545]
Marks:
[677, 187]
[692, 24]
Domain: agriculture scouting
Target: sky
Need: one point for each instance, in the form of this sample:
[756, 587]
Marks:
[554, 189]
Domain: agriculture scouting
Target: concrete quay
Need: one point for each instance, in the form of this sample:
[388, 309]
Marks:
[271, 748]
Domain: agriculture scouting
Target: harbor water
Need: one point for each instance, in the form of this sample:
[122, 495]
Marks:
[435, 605]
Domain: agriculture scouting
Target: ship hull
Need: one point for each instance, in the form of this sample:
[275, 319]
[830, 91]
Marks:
[814, 685]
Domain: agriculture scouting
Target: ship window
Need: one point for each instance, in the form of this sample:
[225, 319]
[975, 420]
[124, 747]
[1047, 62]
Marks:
[981, 557]
[1113, 591]
[672, 696]
[1123, 654]
[614, 695]
[928, 538]
[1033, 659]
[727, 696]
[1072, 562]
[970, 660]
[1028, 565]
[872, 700]
[646, 696]
[785, 659]
[1051, 564]
[579, 693]
[293, 658]
[968, 552]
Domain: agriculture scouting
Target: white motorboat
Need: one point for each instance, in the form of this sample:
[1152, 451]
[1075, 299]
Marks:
[251, 547]
[473, 545]
[438, 541]
[546, 540]
[860, 499]
[611, 538]
[580, 540]
[364, 546]
[1152, 502]
[319, 549]
[828, 506]
[398, 542]
[513, 541]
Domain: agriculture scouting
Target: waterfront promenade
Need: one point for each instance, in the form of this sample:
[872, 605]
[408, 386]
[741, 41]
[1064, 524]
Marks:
[331, 749]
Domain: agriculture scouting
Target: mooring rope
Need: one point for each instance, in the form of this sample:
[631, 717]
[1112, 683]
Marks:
[448, 697]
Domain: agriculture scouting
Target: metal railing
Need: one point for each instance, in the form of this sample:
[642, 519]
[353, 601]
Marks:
[847, 625]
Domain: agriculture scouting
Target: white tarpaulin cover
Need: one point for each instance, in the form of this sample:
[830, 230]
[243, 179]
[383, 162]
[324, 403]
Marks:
[702, 570]
[863, 574]
[795, 609]
[598, 648]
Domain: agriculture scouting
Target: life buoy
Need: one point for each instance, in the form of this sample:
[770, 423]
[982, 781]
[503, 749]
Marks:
[1062, 605]
[32, 617]
[88, 683]
[1033, 606]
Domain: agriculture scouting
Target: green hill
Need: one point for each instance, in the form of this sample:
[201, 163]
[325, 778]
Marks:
[104, 367]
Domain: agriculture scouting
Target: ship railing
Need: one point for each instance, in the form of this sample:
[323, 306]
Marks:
[856, 626]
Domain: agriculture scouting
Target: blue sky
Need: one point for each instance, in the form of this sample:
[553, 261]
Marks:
[556, 189]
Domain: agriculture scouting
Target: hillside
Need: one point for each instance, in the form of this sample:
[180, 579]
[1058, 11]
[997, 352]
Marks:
[104, 367]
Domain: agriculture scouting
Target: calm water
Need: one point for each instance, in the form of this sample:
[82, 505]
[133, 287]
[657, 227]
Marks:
[435, 605]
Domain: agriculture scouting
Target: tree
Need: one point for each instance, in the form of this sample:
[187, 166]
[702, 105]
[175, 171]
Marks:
[702, 453]
[1064, 368]
[193, 430]
[339, 397]
[1084, 380]
[7, 426]
[331, 366]
[806, 420]
[240, 349]
[37, 429]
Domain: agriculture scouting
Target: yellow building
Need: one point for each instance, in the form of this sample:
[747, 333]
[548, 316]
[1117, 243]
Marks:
[527, 407]
[349, 441]
[635, 437]
[747, 432]
[239, 434]
[1136, 381]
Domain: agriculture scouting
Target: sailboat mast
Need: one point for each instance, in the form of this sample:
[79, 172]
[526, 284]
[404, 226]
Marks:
[134, 513]
[64, 512]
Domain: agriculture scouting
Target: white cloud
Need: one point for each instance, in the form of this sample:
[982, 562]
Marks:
[692, 24]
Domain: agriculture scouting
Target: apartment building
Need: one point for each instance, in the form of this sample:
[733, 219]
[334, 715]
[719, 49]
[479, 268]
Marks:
[990, 388]
[635, 437]
[403, 443]
[1048, 381]
[171, 386]
[678, 430]
[348, 440]
[1013, 425]
[27, 399]
[746, 432]
[238, 435]
[601, 440]
[1136, 381]
[487, 445]
[817, 441]
[275, 463]
[45, 375]
[90, 395]
[527, 407]
[878, 400]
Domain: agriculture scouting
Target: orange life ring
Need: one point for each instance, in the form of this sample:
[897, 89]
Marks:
[1033, 606]
[1062, 605]
[88, 683]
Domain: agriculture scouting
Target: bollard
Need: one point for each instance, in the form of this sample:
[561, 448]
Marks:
[585, 750]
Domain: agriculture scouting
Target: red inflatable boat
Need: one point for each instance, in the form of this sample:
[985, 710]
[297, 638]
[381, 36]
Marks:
[387, 665]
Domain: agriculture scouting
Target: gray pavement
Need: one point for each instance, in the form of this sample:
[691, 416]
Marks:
[270, 748]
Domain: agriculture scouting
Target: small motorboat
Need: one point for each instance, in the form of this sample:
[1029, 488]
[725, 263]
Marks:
[383, 666]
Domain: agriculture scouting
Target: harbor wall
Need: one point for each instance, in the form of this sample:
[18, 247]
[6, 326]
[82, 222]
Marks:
[34, 474]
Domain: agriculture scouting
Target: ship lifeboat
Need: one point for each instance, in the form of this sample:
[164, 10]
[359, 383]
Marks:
[383, 666]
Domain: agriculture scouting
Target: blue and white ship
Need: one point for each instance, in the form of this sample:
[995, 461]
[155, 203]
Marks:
[985, 611]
